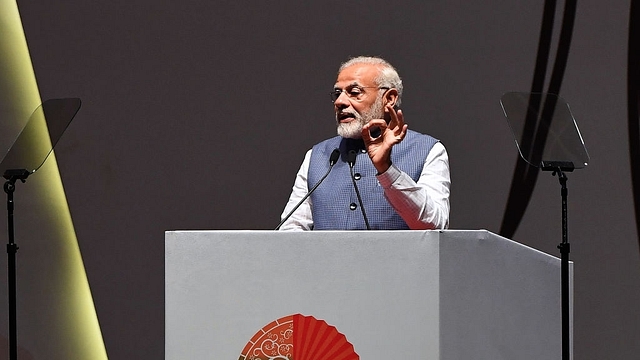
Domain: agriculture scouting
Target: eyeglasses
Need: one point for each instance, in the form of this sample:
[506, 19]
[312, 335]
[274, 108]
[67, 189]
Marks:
[354, 92]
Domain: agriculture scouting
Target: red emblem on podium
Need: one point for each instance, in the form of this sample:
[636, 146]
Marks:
[298, 337]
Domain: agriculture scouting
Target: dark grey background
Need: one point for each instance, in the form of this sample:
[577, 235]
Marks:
[196, 115]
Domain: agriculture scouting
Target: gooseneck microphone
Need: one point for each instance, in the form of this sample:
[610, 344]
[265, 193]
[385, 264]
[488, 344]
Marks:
[351, 159]
[333, 159]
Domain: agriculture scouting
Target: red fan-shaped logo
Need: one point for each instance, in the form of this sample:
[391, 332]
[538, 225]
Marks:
[298, 337]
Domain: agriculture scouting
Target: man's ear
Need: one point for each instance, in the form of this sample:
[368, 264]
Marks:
[391, 97]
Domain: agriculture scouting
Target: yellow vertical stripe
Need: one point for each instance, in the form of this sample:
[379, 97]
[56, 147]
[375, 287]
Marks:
[56, 314]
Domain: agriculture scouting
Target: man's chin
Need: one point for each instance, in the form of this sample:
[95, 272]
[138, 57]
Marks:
[350, 132]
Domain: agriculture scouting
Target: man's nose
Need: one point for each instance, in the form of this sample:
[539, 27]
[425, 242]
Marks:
[342, 101]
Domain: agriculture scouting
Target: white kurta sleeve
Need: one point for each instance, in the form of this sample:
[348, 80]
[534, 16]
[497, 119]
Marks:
[423, 204]
[302, 218]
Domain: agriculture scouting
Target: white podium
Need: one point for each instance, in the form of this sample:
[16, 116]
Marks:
[393, 294]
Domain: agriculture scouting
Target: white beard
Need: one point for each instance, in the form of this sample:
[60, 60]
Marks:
[353, 129]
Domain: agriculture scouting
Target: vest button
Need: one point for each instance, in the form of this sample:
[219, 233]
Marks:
[353, 206]
[357, 176]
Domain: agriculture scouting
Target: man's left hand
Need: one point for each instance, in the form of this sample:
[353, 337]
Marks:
[379, 148]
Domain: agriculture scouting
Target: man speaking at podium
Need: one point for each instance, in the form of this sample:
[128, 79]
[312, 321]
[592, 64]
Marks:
[376, 174]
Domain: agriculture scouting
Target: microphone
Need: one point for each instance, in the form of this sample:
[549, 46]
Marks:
[351, 159]
[333, 159]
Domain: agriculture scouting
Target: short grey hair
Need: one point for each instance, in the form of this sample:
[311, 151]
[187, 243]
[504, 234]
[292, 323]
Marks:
[388, 76]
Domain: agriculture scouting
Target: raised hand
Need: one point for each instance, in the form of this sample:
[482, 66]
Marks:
[379, 148]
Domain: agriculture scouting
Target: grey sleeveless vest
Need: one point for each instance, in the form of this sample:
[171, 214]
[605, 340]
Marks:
[335, 204]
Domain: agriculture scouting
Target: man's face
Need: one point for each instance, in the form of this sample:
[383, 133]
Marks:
[352, 112]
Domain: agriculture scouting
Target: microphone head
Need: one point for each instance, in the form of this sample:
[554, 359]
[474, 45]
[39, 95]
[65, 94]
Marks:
[334, 157]
[351, 157]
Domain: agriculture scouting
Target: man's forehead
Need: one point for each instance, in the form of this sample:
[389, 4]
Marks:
[358, 74]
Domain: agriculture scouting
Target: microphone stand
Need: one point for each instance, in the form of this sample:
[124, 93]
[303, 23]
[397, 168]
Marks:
[9, 187]
[332, 161]
[352, 162]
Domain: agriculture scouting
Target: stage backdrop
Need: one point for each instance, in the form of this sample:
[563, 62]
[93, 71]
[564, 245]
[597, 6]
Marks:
[196, 115]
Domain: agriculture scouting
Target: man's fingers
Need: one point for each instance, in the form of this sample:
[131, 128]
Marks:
[400, 118]
[373, 129]
[393, 115]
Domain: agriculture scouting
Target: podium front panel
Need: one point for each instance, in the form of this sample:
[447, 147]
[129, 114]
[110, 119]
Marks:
[379, 289]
